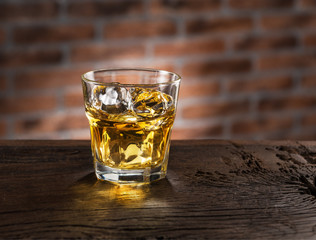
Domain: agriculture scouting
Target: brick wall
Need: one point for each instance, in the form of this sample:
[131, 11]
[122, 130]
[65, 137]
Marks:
[248, 66]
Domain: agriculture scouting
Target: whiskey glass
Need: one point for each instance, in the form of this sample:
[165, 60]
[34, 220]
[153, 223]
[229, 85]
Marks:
[131, 113]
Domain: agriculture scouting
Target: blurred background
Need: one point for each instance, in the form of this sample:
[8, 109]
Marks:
[248, 66]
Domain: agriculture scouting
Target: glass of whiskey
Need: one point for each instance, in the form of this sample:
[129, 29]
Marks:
[131, 114]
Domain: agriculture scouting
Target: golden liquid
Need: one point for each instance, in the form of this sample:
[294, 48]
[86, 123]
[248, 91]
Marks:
[135, 139]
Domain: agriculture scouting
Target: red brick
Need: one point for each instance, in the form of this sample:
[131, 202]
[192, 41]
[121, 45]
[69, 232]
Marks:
[261, 84]
[261, 125]
[220, 66]
[74, 98]
[260, 4]
[307, 135]
[225, 24]
[194, 133]
[152, 64]
[103, 9]
[308, 3]
[292, 60]
[184, 6]
[3, 129]
[52, 78]
[287, 103]
[79, 135]
[28, 10]
[160, 65]
[27, 104]
[140, 28]
[299, 20]
[309, 120]
[19, 58]
[189, 47]
[55, 33]
[101, 52]
[199, 89]
[3, 82]
[61, 122]
[215, 109]
[310, 40]
[251, 43]
[309, 81]
[2, 36]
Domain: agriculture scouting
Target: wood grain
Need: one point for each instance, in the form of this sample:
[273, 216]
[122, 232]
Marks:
[214, 189]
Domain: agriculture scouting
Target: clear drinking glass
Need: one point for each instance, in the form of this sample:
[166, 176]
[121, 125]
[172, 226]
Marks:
[131, 114]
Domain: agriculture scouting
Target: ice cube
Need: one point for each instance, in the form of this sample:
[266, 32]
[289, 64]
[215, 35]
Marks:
[112, 99]
[150, 103]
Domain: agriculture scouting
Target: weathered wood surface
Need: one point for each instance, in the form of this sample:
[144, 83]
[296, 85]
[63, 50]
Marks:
[214, 189]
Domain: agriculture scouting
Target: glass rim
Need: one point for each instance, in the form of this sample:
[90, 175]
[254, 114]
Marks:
[178, 77]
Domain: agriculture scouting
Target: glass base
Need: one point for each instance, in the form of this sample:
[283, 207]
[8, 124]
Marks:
[146, 175]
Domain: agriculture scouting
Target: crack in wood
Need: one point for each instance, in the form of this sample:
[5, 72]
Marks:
[311, 188]
[299, 155]
[292, 169]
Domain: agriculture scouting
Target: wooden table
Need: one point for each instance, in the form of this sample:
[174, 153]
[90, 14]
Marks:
[214, 189]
